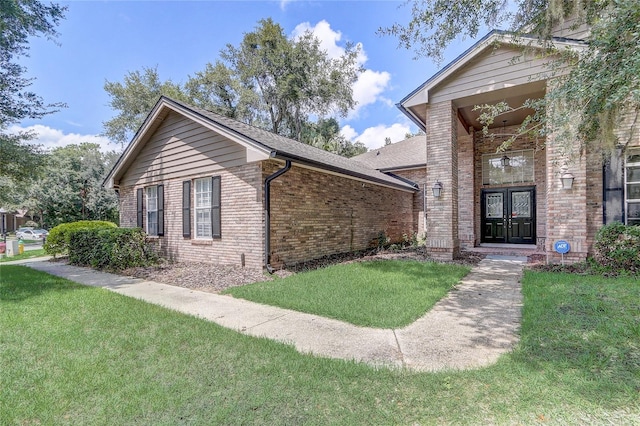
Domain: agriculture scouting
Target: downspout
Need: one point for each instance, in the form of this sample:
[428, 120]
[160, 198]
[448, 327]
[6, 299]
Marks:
[267, 216]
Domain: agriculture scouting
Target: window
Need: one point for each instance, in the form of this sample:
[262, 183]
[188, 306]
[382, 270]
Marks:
[207, 207]
[203, 208]
[632, 187]
[519, 170]
[152, 210]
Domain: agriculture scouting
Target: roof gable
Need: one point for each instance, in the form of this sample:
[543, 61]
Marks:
[484, 47]
[258, 144]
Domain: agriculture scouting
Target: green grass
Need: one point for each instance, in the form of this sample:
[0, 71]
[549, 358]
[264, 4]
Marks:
[82, 355]
[25, 255]
[382, 294]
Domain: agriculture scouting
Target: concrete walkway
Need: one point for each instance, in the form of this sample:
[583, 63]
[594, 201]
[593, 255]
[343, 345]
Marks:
[470, 328]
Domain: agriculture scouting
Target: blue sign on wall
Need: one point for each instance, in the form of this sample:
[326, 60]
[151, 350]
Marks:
[562, 246]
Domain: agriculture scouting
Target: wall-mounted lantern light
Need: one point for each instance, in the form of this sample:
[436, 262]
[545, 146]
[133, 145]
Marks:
[437, 189]
[567, 180]
[505, 161]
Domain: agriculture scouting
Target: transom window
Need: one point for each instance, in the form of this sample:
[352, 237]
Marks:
[152, 210]
[517, 167]
[203, 195]
[632, 187]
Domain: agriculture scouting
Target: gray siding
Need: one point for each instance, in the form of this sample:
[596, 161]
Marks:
[179, 148]
[490, 71]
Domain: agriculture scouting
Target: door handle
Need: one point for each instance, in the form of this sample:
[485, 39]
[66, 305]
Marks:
[509, 222]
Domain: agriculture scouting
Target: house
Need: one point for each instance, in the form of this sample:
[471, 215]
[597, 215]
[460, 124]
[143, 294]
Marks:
[11, 220]
[207, 188]
[517, 197]
[210, 189]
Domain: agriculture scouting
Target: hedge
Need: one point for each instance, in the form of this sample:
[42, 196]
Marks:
[110, 248]
[617, 247]
[57, 242]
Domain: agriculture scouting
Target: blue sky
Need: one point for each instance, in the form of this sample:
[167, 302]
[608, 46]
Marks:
[103, 40]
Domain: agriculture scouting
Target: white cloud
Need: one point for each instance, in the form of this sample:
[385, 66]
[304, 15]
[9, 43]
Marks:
[369, 88]
[374, 137]
[322, 31]
[370, 85]
[51, 138]
[284, 3]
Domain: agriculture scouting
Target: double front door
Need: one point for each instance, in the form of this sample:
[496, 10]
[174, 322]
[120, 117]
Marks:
[508, 215]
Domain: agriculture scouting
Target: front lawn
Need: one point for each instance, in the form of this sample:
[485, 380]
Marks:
[29, 254]
[82, 355]
[381, 294]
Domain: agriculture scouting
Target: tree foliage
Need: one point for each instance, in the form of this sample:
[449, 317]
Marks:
[325, 134]
[133, 99]
[19, 20]
[268, 80]
[604, 82]
[70, 187]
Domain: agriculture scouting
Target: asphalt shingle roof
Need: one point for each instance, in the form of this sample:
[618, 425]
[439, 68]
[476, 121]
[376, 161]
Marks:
[405, 154]
[285, 148]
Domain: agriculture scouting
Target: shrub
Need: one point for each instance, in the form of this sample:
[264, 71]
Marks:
[110, 248]
[617, 247]
[57, 242]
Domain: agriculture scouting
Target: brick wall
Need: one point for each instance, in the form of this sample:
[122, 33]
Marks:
[314, 214]
[241, 220]
[418, 176]
[467, 191]
[442, 166]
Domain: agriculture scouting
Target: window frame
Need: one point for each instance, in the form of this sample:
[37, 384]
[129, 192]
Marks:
[508, 171]
[204, 208]
[631, 220]
[151, 227]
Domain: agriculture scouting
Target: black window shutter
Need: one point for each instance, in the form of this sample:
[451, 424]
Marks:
[215, 208]
[186, 209]
[140, 204]
[160, 210]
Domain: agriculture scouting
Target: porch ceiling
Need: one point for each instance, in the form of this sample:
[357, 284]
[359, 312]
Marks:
[514, 96]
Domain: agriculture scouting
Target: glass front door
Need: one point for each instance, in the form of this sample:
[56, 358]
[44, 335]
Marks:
[508, 215]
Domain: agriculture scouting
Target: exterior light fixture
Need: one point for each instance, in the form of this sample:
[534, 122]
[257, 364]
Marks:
[567, 180]
[505, 161]
[437, 189]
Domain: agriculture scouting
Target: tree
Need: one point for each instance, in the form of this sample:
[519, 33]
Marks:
[325, 134]
[268, 81]
[19, 20]
[604, 81]
[133, 100]
[71, 189]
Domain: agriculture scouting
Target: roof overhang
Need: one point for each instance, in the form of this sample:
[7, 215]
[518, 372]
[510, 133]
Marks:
[254, 150]
[420, 96]
[383, 180]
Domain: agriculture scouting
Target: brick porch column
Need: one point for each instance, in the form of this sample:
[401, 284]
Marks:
[567, 209]
[442, 166]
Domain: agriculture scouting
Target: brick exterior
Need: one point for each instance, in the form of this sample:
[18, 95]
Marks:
[241, 220]
[314, 214]
[419, 176]
[442, 166]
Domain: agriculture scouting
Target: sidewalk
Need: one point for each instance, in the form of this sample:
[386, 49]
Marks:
[476, 323]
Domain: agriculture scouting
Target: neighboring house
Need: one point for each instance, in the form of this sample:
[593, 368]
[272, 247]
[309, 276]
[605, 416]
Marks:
[10, 220]
[207, 188]
[516, 197]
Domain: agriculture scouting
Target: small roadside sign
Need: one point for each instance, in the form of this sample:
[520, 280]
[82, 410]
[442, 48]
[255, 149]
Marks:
[562, 246]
